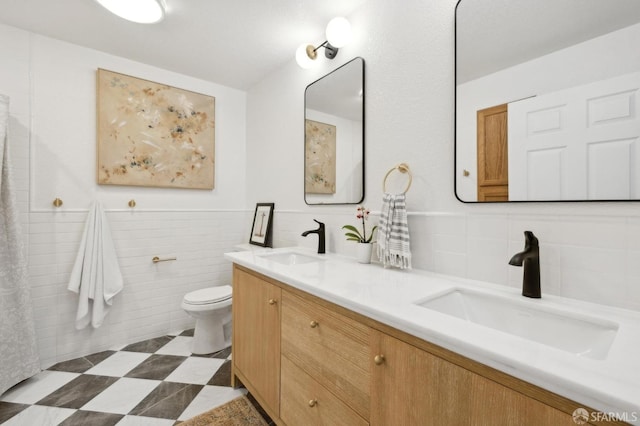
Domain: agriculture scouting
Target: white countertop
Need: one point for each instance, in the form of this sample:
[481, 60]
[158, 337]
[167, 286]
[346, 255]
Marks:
[611, 385]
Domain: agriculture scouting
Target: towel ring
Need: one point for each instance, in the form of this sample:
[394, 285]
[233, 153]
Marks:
[402, 168]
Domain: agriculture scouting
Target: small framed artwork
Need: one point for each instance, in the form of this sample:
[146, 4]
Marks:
[261, 228]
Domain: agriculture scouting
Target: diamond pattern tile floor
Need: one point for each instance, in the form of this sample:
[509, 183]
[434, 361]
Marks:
[156, 382]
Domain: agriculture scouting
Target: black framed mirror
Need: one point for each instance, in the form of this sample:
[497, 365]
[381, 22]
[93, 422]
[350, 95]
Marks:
[334, 136]
[547, 101]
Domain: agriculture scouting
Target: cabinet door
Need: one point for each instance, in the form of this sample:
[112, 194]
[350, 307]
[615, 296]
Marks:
[256, 336]
[412, 387]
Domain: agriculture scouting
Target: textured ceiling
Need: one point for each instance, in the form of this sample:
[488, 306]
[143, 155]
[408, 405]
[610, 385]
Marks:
[231, 42]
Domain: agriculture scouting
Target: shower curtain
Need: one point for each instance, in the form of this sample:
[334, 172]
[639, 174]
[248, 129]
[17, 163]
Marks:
[18, 351]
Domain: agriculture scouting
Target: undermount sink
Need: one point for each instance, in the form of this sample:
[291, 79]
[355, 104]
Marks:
[291, 258]
[576, 333]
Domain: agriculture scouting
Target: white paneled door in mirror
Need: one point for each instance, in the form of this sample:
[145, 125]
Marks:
[552, 114]
[576, 144]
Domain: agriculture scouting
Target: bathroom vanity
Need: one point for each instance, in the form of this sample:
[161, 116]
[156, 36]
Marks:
[321, 340]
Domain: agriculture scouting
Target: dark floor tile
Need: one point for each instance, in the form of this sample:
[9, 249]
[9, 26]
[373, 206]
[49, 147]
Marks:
[263, 413]
[9, 409]
[97, 358]
[223, 354]
[78, 392]
[222, 376]
[156, 367]
[167, 401]
[80, 365]
[188, 333]
[148, 346]
[84, 418]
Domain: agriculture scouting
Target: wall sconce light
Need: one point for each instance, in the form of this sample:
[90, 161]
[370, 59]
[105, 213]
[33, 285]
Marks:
[140, 11]
[338, 35]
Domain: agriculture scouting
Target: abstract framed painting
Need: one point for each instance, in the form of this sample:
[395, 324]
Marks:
[320, 158]
[152, 134]
[261, 229]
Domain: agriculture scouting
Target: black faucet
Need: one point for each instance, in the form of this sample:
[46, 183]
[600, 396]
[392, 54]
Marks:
[320, 232]
[530, 256]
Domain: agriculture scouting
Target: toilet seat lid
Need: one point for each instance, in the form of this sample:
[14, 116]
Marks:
[208, 295]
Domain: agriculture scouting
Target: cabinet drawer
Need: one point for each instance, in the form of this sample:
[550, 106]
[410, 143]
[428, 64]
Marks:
[303, 401]
[332, 348]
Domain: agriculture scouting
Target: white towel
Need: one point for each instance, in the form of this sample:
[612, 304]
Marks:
[393, 232]
[96, 274]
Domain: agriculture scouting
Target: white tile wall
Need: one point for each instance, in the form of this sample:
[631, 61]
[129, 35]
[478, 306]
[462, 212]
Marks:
[589, 258]
[149, 304]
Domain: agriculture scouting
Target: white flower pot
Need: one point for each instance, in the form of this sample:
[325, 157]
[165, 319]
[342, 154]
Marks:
[363, 252]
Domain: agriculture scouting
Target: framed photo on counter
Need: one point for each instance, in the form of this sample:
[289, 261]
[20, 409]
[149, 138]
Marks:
[261, 229]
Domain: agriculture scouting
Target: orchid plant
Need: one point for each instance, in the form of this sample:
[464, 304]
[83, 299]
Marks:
[353, 234]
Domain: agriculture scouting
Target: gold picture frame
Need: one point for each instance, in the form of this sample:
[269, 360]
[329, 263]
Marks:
[152, 134]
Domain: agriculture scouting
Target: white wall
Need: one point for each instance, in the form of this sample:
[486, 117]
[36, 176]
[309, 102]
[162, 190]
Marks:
[601, 58]
[63, 141]
[52, 90]
[589, 251]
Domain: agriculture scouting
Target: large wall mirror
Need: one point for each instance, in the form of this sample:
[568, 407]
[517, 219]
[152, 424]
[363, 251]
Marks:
[547, 100]
[334, 137]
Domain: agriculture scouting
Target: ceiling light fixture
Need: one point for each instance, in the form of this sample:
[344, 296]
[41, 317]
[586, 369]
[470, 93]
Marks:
[338, 35]
[140, 11]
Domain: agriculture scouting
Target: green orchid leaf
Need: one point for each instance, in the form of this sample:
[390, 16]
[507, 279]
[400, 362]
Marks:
[354, 231]
[351, 228]
[373, 231]
[352, 235]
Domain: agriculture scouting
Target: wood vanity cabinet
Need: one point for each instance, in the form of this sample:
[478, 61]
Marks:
[410, 386]
[310, 362]
[256, 338]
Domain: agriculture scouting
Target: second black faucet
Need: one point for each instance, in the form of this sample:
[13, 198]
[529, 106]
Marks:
[530, 257]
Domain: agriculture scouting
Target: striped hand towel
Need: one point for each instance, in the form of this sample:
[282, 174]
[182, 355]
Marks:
[393, 232]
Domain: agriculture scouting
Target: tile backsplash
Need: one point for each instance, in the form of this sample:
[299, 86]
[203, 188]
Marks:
[591, 258]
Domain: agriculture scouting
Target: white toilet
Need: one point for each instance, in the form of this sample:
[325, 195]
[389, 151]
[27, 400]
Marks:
[211, 307]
